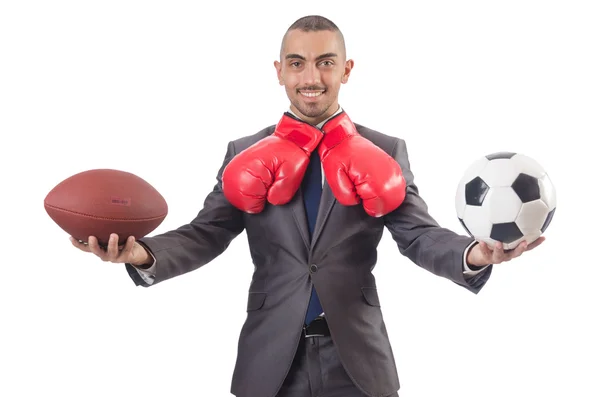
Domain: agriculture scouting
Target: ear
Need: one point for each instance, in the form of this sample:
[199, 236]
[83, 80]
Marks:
[277, 65]
[347, 69]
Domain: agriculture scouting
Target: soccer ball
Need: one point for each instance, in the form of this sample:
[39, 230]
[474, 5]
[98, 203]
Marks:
[506, 197]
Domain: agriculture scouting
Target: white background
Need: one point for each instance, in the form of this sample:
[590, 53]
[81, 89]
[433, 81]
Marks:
[159, 88]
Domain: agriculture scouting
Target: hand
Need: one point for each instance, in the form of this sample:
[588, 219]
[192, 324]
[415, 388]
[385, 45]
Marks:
[482, 255]
[271, 170]
[359, 171]
[132, 252]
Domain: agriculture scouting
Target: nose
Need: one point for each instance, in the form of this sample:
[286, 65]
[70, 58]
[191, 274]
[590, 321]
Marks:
[311, 75]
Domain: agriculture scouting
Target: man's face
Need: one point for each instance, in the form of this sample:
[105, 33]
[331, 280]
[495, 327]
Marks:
[312, 68]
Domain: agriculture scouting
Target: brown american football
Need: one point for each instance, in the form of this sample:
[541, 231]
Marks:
[103, 201]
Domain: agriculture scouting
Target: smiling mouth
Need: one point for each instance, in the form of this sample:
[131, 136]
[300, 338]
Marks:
[311, 94]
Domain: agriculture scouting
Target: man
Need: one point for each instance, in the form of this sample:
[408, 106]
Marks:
[313, 193]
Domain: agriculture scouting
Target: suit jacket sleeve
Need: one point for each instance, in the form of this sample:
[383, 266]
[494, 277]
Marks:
[420, 238]
[193, 245]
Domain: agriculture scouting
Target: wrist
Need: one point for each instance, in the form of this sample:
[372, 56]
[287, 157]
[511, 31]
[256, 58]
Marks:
[143, 259]
[474, 267]
[471, 258]
[307, 137]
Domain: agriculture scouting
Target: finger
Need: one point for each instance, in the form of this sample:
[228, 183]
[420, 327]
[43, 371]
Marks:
[127, 251]
[519, 249]
[498, 255]
[95, 248]
[79, 245]
[535, 243]
[112, 249]
[485, 249]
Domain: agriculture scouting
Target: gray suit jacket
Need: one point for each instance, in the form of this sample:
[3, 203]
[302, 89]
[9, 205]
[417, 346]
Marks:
[338, 260]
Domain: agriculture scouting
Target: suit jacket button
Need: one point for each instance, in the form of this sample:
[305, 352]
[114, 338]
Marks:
[313, 268]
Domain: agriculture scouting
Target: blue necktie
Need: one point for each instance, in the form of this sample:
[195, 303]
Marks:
[311, 189]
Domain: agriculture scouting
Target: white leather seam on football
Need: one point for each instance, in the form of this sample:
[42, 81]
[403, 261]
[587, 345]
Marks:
[102, 217]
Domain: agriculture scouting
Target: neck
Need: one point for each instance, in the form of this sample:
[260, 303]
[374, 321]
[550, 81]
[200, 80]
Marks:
[315, 120]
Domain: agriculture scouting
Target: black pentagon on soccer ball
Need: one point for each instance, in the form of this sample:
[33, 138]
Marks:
[527, 188]
[500, 155]
[475, 191]
[548, 220]
[506, 232]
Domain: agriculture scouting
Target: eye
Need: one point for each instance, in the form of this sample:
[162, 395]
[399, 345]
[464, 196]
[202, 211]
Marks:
[327, 63]
[295, 64]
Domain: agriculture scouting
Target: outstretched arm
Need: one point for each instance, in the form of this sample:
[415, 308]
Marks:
[193, 245]
[421, 239]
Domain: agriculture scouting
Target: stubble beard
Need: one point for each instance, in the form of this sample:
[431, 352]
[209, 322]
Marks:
[312, 110]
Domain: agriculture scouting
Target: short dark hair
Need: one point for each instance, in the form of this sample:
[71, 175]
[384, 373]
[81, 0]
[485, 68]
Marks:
[314, 23]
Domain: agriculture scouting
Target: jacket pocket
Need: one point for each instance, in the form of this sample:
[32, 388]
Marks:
[371, 296]
[256, 300]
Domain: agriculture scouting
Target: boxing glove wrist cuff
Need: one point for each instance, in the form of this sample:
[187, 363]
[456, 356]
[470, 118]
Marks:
[304, 135]
[336, 131]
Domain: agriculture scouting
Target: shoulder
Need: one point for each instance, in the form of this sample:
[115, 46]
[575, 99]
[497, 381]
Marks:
[390, 144]
[246, 141]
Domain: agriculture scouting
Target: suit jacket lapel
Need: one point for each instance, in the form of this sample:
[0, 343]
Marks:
[299, 213]
[297, 205]
[325, 206]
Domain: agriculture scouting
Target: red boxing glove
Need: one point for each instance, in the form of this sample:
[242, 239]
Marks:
[358, 170]
[272, 169]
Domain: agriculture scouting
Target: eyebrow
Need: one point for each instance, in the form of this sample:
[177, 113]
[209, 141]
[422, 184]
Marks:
[298, 56]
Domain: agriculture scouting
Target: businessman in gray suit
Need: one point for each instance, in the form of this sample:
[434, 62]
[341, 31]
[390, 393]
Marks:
[314, 325]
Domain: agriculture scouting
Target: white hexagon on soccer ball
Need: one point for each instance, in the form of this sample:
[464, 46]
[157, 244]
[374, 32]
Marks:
[527, 165]
[499, 172]
[531, 217]
[476, 221]
[547, 191]
[501, 204]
